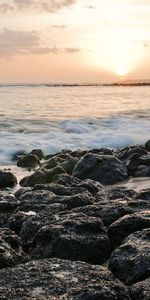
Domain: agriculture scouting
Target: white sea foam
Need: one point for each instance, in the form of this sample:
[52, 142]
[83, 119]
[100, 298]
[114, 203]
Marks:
[72, 118]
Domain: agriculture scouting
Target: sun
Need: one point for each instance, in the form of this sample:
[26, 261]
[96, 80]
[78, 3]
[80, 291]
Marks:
[121, 71]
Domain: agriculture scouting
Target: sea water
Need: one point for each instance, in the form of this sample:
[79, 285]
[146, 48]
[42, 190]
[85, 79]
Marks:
[53, 118]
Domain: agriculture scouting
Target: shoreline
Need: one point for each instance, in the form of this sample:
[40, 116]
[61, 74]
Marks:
[78, 225]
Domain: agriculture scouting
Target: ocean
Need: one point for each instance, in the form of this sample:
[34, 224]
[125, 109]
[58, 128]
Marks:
[74, 117]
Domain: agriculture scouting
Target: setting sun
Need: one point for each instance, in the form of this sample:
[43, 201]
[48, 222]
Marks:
[121, 71]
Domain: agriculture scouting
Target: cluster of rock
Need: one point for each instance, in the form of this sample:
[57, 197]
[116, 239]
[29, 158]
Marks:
[69, 234]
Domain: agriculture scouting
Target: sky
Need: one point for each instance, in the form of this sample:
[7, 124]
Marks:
[79, 41]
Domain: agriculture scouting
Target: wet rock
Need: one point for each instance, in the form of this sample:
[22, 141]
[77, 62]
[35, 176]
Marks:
[73, 236]
[10, 251]
[130, 262]
[28, 161]
[35, 200]
[140, 290]
[139, 205]
[53, 172]
[108, 212]
[127, 152]
[102, 151]
[38, 177]
[128, 224]
[56, 279]
[17, 219]
[69, 164]
[91, 186]
[7, 179]
[59, 189]
[38, 152]
[65, 179]
[8, 202]
[120, 192]
[137, 160]
[18, 154]
[142, 172]
[143, 194]
[147, 145]
[105, 169]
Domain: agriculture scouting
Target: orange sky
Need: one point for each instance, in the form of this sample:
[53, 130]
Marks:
[74, 40]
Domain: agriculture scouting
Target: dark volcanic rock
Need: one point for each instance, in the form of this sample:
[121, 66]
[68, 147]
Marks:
[38, 177]
[8, 202]
[59, 189]
[144, 194]
[10, 251]
[137, 160]
[108, 212]
[140, 290]
[105, 169]
[128, 224]
[55, 279]
[130, 262]
[73, 236]
[28, 161]
[7, 179]
[142, 172]
[147, 145]
[38, 153]
[127, 152]
[120, 192]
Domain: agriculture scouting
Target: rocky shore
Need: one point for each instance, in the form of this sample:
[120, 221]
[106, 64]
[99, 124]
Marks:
[70, 232]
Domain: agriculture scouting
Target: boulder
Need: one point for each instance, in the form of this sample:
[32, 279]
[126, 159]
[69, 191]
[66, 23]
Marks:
[143, 194]
[38, 152]
[10, 250]
[38, 177]
[128, 224]
[140, 290]
[73, 236]
[55, 279]
[147, 145]
[28, 161]
[127, 152]
[7, 179]
[105, 169]
[130, 262]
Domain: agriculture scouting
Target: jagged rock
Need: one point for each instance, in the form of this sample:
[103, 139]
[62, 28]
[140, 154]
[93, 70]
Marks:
[140, 290]
[108, 212]
[38, 177]
[128, 224]
[130, 262]
[7, 179]
[38, 152]
[127, 152]
[105, 169]
[142, 172]
[73, 236]
[136, 160]
[28, 161]
[56, 279]
[147, 145]
[8, 202]
[10, 250]
[143, 194]
[59, 189]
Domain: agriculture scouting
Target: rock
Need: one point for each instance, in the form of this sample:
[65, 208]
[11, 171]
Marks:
[7, 179]
[128, 224]
[102, 151]
[28, 161]
[140, 290]
[105, 169]
[136, 160]
[120, 192]
[10, 251]
[142, 172]
[69, 164]
[108, 212]
[91, 186]
[56, 279]
[8, 202]
[130, 262]
[127, 152]
[53, 172]
[38, 177]
[18, 154]
[139, 205]
[38, 153]
[147, 145]
[17, 219]
[59, 189]
[73, 236]
[143, 194]
[65, 179]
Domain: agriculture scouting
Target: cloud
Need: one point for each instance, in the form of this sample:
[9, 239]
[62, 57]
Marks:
[40, 5]
[59, 26]
[25, 43]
